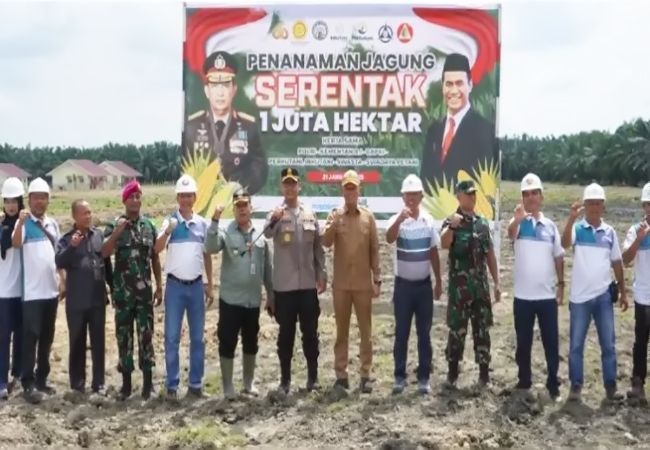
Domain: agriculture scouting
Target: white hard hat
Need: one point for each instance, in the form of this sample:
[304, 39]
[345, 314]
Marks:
[412, 183]
[594, 192]
[645, 193]
[531, 182]
[12, 188]
[186, 185]
[38, 185]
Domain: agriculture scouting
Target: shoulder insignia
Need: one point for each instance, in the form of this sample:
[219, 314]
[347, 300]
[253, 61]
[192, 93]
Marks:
[244, 116]
[196, 115]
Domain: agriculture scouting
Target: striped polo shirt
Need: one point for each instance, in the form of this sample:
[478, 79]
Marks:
[641, 286]
[594, 250]
[415, 240]
[40, 280]
[184, 258]
[536, 248]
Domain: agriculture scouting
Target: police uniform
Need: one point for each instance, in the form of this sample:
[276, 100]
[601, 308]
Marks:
[353, 234]
[234, 138]
[298, 266]
[469, 289]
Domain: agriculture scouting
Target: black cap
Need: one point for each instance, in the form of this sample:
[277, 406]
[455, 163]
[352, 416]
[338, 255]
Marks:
[241, 196]
[465, 187]
[455, 62]
[220, 67]
[289, 174]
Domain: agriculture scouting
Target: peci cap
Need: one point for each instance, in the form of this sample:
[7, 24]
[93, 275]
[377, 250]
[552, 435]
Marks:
[351, 177]
[412, 183]
[241, 197]
[594, 192]
[645, 193]
[465, 187]
[220, 67]
[289, 174]
[531, 182]
[455, 62]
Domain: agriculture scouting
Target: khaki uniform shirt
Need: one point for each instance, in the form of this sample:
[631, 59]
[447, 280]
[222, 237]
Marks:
[298, 256]
[356, 248]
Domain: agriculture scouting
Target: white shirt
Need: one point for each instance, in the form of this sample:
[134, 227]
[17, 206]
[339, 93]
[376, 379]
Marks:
[458, 117]
[40, 279]
[594, 250]
[537, 246]
[412, 254]
[641, 286]
[184, 258]
[11, 269]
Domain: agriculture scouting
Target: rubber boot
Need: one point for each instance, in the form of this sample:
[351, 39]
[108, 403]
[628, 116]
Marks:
[227, 366]
[147, 384]
[248, 366]
[127, 387]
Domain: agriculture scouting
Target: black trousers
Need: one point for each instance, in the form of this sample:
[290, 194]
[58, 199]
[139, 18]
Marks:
[39, 320]
[82, 324]
[233, 321]
[301, 307]
[641, 336]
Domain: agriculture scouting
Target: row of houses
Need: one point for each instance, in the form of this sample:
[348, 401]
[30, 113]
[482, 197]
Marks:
[79, 174]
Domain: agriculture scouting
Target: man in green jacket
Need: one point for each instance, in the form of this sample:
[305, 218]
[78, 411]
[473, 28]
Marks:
[245, 268]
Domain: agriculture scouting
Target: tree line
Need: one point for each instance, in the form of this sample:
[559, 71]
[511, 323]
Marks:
[618, 158]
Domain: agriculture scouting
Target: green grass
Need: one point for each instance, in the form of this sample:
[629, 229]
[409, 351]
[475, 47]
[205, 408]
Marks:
[208, 432]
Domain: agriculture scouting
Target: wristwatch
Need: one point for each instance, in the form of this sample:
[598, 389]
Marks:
[378, 282]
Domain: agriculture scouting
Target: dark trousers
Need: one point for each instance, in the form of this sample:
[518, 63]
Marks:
[525, 312]
[301, 307]
[641, 336]
[233, 321]
[11, 327]
[81, 324]
[39, 320]
[413, 299]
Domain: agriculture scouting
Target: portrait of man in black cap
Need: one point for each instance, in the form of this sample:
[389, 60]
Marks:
[223, 132]
[462, 138]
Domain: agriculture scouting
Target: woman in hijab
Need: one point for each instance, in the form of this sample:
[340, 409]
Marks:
[10, 287]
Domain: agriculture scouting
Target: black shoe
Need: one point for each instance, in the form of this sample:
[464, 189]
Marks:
[285, 386]
[483, 375]
[312, 385]
[45, 388]
[147, 384]
[32, 396]
[366, 386]
[523, 386]
[194, 392]
[612, 395]
[127, 387]
[554, 393]
[452, 373]
[342, 383]
[171, 395]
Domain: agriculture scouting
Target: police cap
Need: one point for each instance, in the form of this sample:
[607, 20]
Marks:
[241, 197]
[289, 173]
[465, 187]
[220, 67]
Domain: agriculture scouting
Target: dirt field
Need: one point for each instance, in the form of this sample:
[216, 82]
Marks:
[494, 418]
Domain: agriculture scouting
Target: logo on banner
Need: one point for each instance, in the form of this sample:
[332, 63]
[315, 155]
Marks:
[319, 30]
[299, 30]
[385, 34]
[404, 33]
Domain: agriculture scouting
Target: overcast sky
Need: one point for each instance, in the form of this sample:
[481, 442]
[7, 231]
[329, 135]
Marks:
[85, 74]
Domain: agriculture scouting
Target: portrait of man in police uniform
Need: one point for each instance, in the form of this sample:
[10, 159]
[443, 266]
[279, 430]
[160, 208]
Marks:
[223, 132]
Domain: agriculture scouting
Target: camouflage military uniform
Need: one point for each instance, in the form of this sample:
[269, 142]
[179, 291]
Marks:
[133, 292]
[469, 289]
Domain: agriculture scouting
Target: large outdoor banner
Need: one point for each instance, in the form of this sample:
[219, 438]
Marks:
[384, 90]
